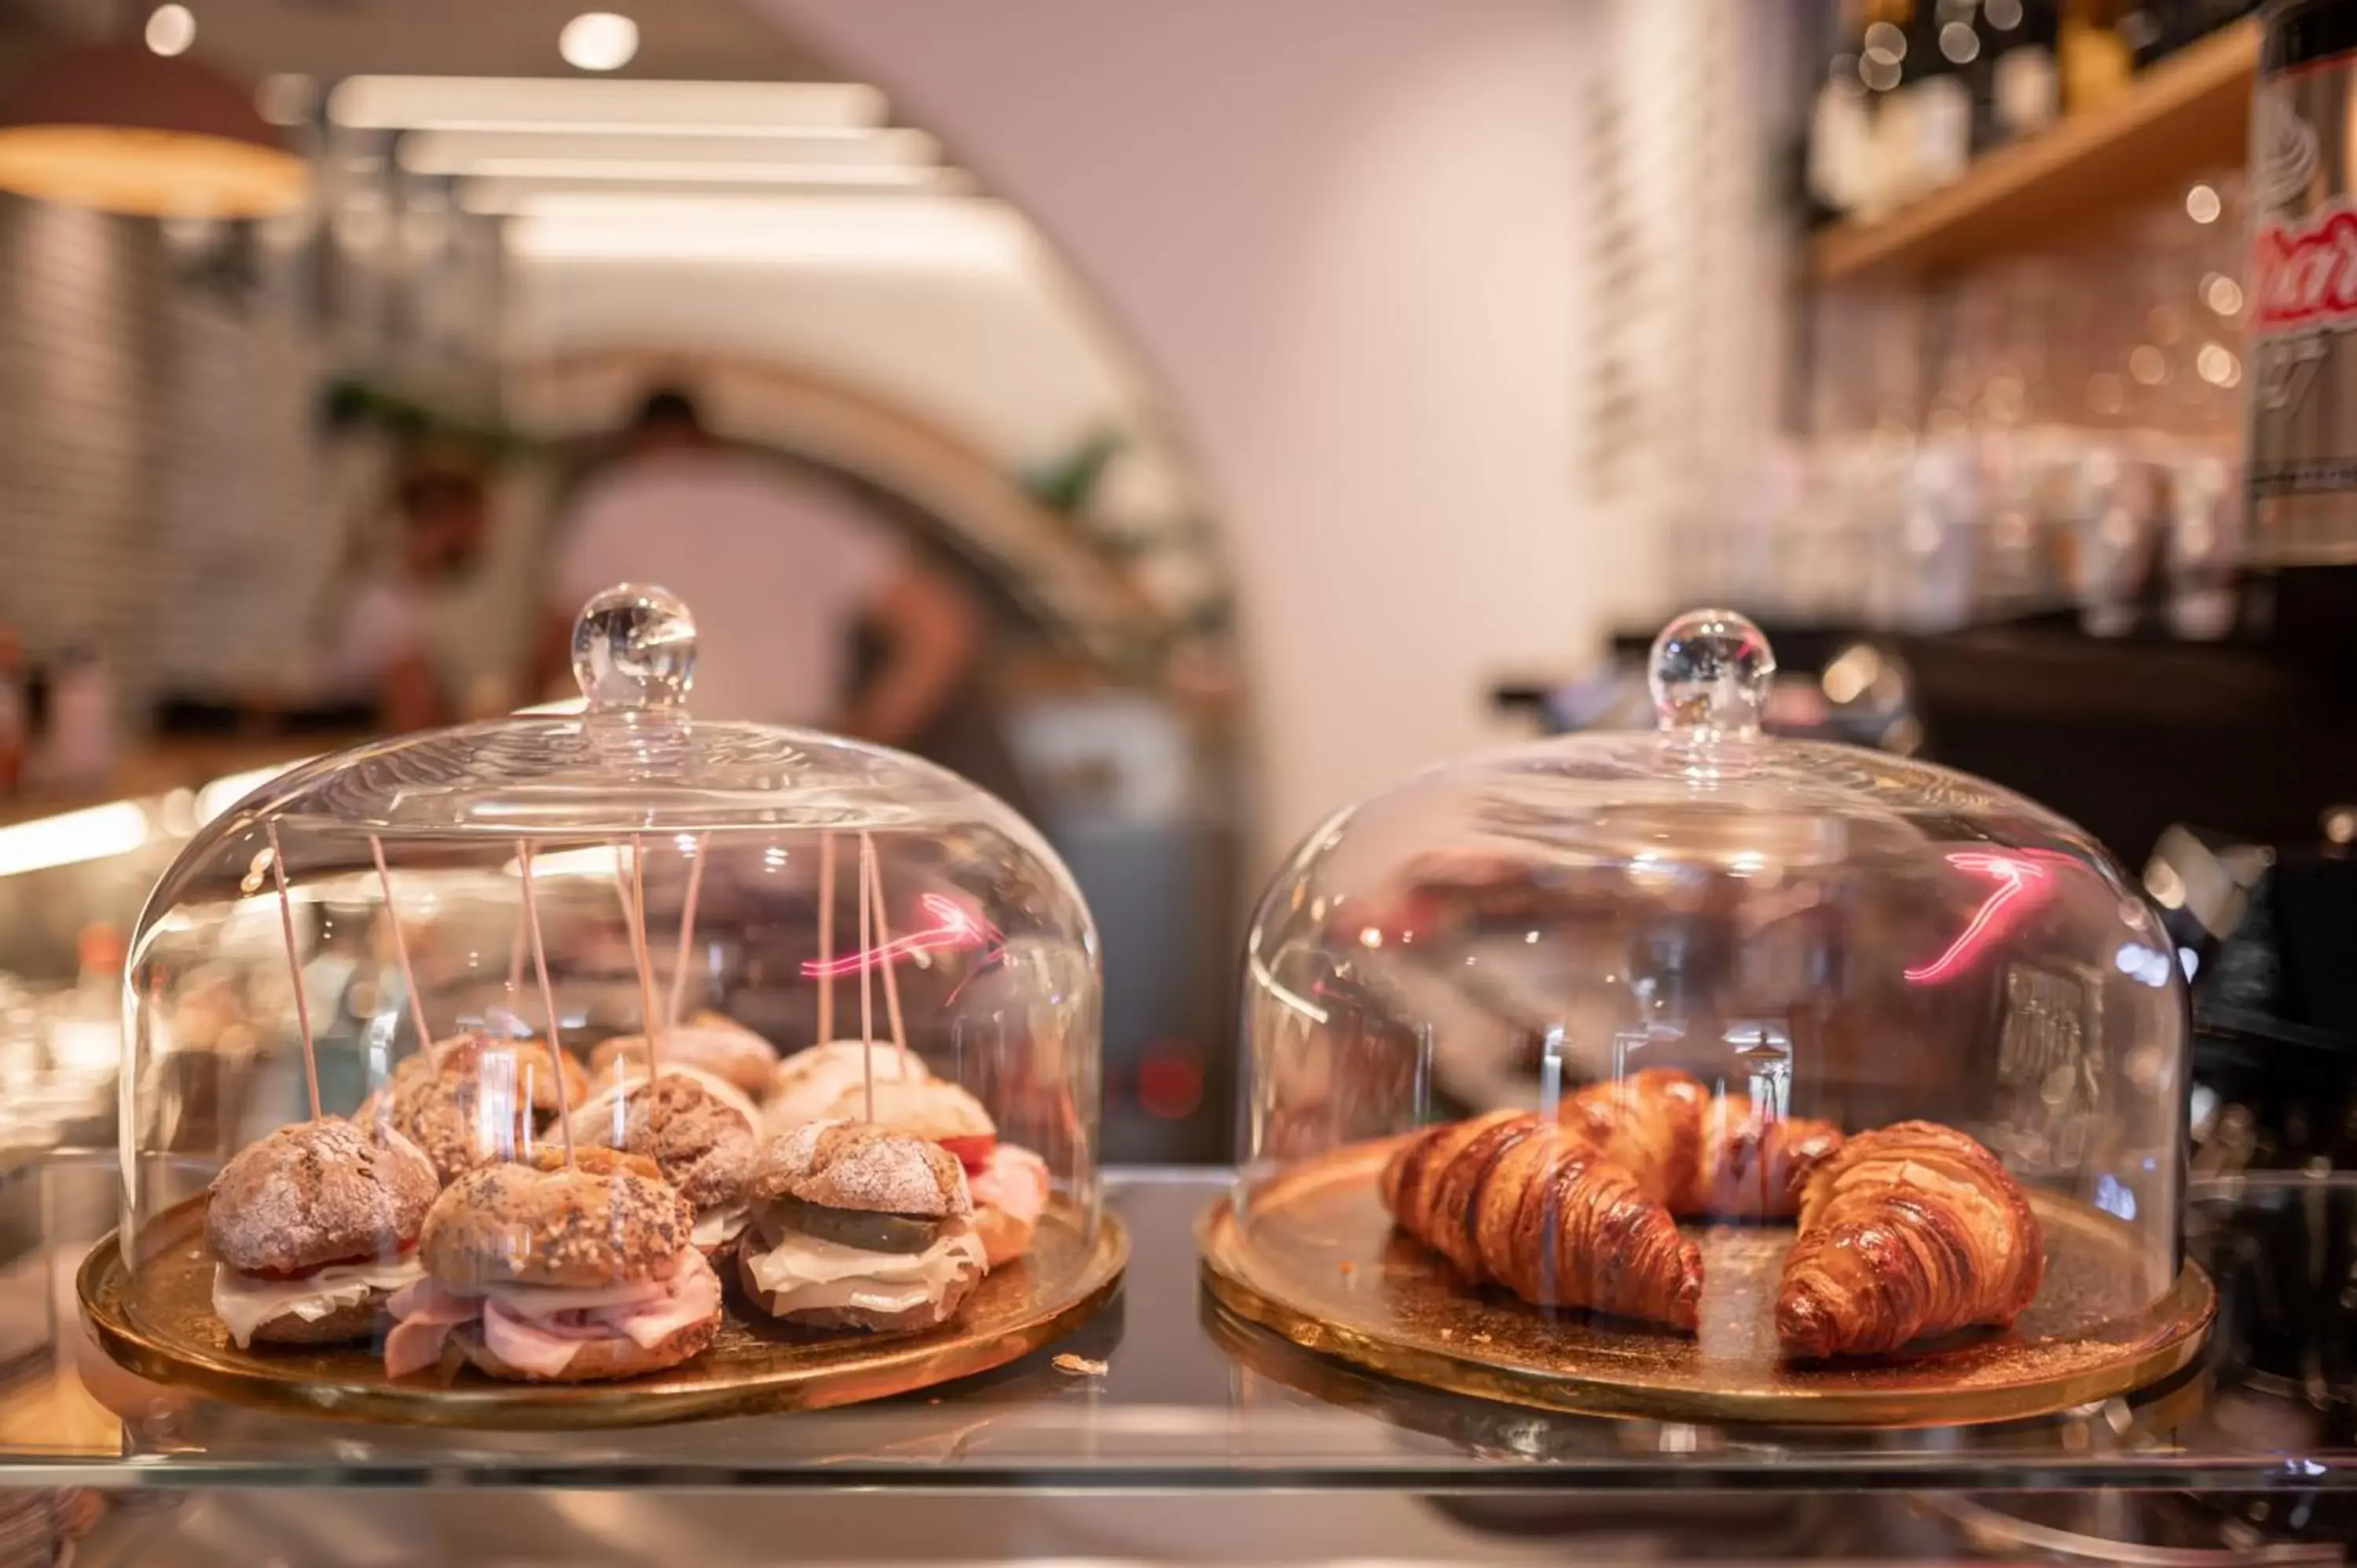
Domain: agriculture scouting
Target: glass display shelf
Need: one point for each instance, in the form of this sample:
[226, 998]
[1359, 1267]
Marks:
[1161, 1393]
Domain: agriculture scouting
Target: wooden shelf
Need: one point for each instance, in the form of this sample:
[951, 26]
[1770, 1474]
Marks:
[2188, 114]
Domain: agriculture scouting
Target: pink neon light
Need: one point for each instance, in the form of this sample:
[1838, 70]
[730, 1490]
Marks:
[954, 926]
[2024, 878]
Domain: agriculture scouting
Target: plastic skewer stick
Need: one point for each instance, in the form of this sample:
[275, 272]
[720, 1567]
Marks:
[295, 969]
[547, 998]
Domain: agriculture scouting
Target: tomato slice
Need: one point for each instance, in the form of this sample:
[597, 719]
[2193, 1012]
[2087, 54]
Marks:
[972, 1152]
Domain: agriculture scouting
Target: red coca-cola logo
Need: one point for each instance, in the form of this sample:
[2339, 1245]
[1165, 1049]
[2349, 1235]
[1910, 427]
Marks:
[2304, 273]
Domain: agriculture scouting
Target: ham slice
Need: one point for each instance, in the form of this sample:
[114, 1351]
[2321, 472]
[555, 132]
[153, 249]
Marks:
[538, 1329]
[543, 1347]
[1015, 1182]
[694, 1296]
[423, 1316]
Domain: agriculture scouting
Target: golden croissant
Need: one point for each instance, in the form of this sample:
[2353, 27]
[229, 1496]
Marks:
[1909, 1232]
[1697, 1153]
[1511, 1197]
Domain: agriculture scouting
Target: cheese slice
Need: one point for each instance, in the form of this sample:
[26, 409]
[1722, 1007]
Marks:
[799, 1270]
[245, 1302]
[714, 1226]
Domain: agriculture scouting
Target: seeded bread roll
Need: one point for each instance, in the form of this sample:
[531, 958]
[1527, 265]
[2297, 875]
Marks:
[809, 1082]
[607, 1219]
[919, 1107]
[452, 1117]
[848, 1165]
[535, 1068]
[318, 1192]
[719, 1045]
[474, 1100]
[703, 1146]
[384, 1102]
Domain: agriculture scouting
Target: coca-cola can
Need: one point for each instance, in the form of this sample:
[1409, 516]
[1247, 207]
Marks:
[2301, 474]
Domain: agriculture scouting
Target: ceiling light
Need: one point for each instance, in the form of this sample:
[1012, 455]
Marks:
[506, 195]
[924, 234]
[598, 40]
[171, 29]
[115, 127]
[94, 833]
[579, 103]
[614, 153]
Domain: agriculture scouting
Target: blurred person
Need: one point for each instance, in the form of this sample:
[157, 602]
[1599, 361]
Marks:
[783, 570]
[384, 652]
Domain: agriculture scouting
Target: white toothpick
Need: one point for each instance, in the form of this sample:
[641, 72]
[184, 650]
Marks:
[866, 997]
[547, 999]
[686, 931]
[295, 968]
[400, 945]
[884, 949]
[825, 937]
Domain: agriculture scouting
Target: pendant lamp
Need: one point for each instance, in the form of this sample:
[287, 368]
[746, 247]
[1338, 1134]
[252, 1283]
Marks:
[116, 127]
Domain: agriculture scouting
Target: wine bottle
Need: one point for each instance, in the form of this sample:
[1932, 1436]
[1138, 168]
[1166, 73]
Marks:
[2025, 85]
[1841, 172]
[1928, 120]
[2095, 58]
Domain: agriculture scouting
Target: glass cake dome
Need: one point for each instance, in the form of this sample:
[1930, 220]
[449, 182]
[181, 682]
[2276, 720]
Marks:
[1779, 987]
[802, 922]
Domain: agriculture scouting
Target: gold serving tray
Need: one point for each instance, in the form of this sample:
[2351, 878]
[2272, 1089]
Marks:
[158, 1322]
[1322, 1264]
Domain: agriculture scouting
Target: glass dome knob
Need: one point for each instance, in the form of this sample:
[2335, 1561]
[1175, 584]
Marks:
[1709, 673]
[634, 647]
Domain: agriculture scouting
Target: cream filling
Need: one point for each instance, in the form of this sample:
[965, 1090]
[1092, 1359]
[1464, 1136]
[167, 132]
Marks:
[800, 1272]
[245, 1302]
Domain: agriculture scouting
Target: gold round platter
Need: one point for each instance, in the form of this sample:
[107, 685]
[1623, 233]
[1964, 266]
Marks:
[1322, 1264]
[157, 1321]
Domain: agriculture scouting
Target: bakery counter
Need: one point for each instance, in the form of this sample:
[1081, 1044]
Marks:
[71, 861]
[1162, 1393]
[158, 768]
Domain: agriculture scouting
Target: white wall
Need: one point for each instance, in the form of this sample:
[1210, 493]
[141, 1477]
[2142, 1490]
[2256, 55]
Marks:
[1342, 234]
[983, 342]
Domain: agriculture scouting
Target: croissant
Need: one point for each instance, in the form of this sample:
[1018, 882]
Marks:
[1698, 1152]
[1909, 1232]
[1513, 1198]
